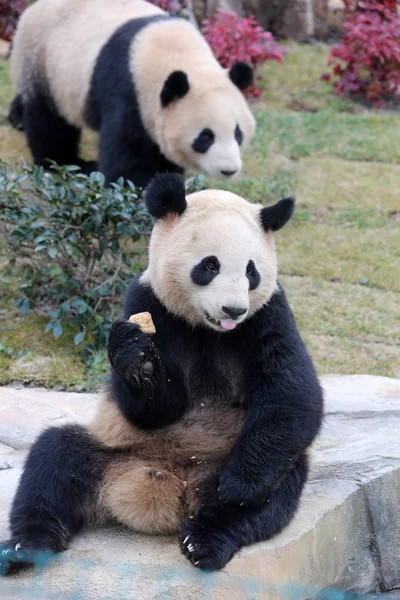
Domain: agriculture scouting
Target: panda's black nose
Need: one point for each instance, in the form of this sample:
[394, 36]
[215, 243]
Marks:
[233, 312]
[229, 173]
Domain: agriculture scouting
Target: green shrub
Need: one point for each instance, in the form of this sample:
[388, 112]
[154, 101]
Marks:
[73, 246]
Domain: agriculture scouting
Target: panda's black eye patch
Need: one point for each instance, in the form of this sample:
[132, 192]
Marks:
[204, 141]
[239, 135]
[204, 272]
[252, 275]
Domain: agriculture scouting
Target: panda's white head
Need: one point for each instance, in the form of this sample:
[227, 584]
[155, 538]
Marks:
[205, 120]
[212, 254]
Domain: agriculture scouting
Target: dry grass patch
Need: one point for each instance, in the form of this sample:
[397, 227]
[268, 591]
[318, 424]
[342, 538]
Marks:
[44, 361]
[342, 253]
[13, 146]
[351, 356]
[348, 328]
[337, 184]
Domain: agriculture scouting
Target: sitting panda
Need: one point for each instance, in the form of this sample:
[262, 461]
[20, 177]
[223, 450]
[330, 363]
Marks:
[146, 81]
[205, 428]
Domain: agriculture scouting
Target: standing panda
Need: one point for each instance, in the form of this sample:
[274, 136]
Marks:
[206, 425]
[146, 81]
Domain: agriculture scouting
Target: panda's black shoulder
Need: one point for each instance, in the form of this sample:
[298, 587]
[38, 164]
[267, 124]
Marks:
[112, 71]
[275, 328]
[139, 297]
[274, 314]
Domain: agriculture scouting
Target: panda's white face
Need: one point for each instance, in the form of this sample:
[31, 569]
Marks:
[225, 269]
[206, 130]
[217, 153]
[214, 265]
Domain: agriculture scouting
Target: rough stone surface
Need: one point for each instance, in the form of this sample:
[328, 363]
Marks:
[300, 20]
[304, 19]
[25, 412]
[30, 369]
[336, 16]
[346, 533]
[385, 517]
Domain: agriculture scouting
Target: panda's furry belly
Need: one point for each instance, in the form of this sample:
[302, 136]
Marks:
[155, 480]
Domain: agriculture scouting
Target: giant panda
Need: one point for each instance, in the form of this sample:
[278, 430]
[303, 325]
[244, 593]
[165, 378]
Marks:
[205, 428]
[146, 81]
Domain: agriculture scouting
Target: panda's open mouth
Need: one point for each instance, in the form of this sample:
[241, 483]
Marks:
[227, 324]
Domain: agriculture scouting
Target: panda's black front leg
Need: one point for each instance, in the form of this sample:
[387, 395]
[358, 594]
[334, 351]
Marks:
[123, 154]
[148, 390]
[218, 531]
[56, 495]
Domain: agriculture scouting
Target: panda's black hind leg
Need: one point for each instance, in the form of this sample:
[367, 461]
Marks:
[56, 495]
[16, 113]
[49, 135]
[217, 532]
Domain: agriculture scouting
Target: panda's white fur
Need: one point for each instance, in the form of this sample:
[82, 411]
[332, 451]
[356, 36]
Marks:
[212, 99]
[59, 43]
[62, 39]
[216, 223]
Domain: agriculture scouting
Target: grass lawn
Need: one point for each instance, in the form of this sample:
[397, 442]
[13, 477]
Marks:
[340, 255]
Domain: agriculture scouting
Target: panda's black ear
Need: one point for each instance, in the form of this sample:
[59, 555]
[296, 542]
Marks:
[241, 75]
[176, 86]
[165, 195]
[276, 216]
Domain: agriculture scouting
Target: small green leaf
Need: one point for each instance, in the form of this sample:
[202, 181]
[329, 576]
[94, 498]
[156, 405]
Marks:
[80, 305]
[24, 308]
[57, 330]
[79, 338]
[65, 307]
[97, 177]
[104, 290]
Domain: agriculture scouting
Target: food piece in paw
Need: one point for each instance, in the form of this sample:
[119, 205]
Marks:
[144, 321]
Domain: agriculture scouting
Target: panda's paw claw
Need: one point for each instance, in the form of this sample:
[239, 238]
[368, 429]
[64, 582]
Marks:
[16, 555]
[208, 550]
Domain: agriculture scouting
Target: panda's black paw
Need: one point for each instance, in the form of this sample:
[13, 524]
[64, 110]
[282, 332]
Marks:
[127, 346]
[15, 556]
[206, 548]
[241, 491]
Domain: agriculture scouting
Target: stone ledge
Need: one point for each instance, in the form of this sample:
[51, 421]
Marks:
[350, 507]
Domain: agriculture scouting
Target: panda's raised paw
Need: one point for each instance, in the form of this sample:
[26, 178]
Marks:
[127, 345]
[15, 556]
[205, 548]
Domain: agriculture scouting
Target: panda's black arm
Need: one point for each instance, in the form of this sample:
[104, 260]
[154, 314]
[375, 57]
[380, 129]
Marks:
[151, 401]
[284, 414]
[146, 382]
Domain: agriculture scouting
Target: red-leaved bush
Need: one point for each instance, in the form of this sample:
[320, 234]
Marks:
[367, 61]
[233, 38]
[10, 11]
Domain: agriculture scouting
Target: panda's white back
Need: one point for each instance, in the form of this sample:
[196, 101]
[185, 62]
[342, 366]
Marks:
[62, 39]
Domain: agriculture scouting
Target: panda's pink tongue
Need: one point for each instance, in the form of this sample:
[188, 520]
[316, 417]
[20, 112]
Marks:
[228, 325]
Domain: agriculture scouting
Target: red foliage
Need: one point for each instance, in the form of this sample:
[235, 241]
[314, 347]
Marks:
[233, 38]
[367, 61]
[10, 11]
[353, 5]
